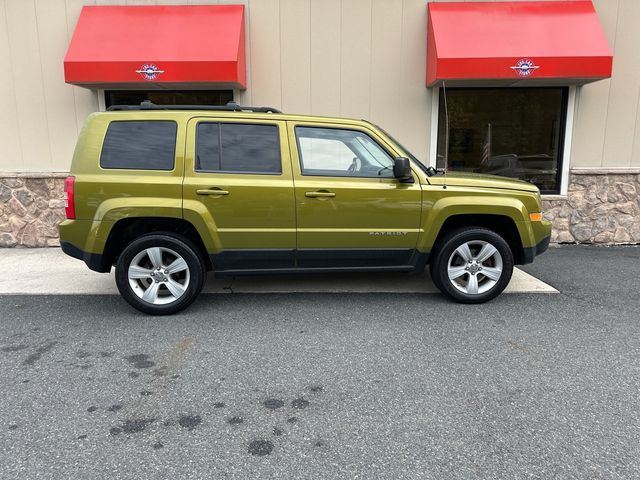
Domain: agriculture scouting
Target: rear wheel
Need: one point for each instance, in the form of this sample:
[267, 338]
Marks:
[472, 265]
[160, 274]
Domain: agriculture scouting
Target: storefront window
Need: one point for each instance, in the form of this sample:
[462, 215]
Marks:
[513, 132]
[162, 97]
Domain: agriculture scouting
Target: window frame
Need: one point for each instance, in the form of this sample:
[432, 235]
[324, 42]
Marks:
[175, 146]
[565, 138]
[300, 159]
[232, 172]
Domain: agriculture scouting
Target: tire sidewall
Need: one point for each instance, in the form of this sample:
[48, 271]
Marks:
[182, 247]
[439, 268]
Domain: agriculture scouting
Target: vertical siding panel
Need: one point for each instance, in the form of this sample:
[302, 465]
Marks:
[355, 62]
[85, 100]
[414, 98]
[140, 2]
[607, 11]
[386, 63]
[635, 152]
[264, 16]
[61, 120]
[625, 88]
[11, 156]
[28, 83]
[325, 57]
[295, 51]
[593, 102]
[111, 2]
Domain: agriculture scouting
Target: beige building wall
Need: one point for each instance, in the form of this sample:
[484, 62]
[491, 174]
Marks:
[607, 128]
[355, 58]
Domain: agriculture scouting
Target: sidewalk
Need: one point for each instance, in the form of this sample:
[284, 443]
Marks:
[48, 271]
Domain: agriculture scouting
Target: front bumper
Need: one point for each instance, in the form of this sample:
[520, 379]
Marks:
[532, 252]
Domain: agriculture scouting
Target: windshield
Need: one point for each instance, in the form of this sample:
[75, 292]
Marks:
[405, 151]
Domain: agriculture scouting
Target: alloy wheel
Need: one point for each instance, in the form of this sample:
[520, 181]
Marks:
[158, 275]
[475, 267]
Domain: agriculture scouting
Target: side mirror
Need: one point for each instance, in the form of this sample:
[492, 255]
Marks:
[402, 168]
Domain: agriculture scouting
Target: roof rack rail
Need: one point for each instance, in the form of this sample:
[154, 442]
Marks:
[229, 107]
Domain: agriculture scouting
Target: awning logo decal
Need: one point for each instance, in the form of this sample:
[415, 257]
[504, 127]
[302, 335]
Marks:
[525, 67]
[149, 71]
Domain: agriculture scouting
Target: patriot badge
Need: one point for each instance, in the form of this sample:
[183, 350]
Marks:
[525, 67]
[149, 71]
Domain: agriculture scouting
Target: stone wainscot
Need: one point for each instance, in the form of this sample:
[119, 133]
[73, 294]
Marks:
[602, 206]
[31, 207]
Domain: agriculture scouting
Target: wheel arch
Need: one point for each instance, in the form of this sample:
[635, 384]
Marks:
[128, 229]
[503, 225]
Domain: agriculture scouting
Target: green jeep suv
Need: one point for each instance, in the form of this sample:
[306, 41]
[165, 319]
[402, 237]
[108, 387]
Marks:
[166, 194]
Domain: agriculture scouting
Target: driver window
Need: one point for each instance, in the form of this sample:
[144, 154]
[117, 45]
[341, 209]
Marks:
[341, 153]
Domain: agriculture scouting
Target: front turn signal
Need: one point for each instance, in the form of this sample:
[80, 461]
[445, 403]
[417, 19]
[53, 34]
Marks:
[535, 217]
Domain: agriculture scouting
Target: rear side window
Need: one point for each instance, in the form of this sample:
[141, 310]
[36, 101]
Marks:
[238, 148]
[140, 145]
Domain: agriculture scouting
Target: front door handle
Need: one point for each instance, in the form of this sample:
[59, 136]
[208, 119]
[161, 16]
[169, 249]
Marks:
[212, 191]
[324, 194]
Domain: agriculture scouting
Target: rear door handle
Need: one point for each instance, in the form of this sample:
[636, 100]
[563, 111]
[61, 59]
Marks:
[212, 191]
[319, 194]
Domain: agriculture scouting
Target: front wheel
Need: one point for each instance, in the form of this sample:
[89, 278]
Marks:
[160, 274]
[472, 265]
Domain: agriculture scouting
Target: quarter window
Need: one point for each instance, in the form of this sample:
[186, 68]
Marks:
[238, 147]
[139, 145]
[341, 153]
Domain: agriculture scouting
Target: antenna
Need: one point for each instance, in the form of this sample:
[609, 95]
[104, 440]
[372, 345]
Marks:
[446, 133]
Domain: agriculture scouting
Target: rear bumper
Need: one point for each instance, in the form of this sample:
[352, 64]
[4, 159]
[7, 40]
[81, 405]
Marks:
[85, 233]
[94, 261]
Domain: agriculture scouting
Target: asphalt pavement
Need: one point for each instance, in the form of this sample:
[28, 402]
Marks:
[331, 385]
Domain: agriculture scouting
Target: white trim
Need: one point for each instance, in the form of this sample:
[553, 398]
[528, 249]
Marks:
[57, 174]
[102, 104]
[572, 102]
[433, 145]
[605, 171]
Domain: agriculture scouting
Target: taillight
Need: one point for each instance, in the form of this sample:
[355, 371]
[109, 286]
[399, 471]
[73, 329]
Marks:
[69, 200]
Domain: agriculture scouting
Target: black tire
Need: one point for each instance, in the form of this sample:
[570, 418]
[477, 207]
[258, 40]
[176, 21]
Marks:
[475, 238]
[169, 244]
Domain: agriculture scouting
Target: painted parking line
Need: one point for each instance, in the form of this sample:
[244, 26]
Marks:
[48, 271]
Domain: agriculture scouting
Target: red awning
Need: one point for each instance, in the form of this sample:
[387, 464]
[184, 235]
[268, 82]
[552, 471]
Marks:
[158, 45]
[543, 42]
